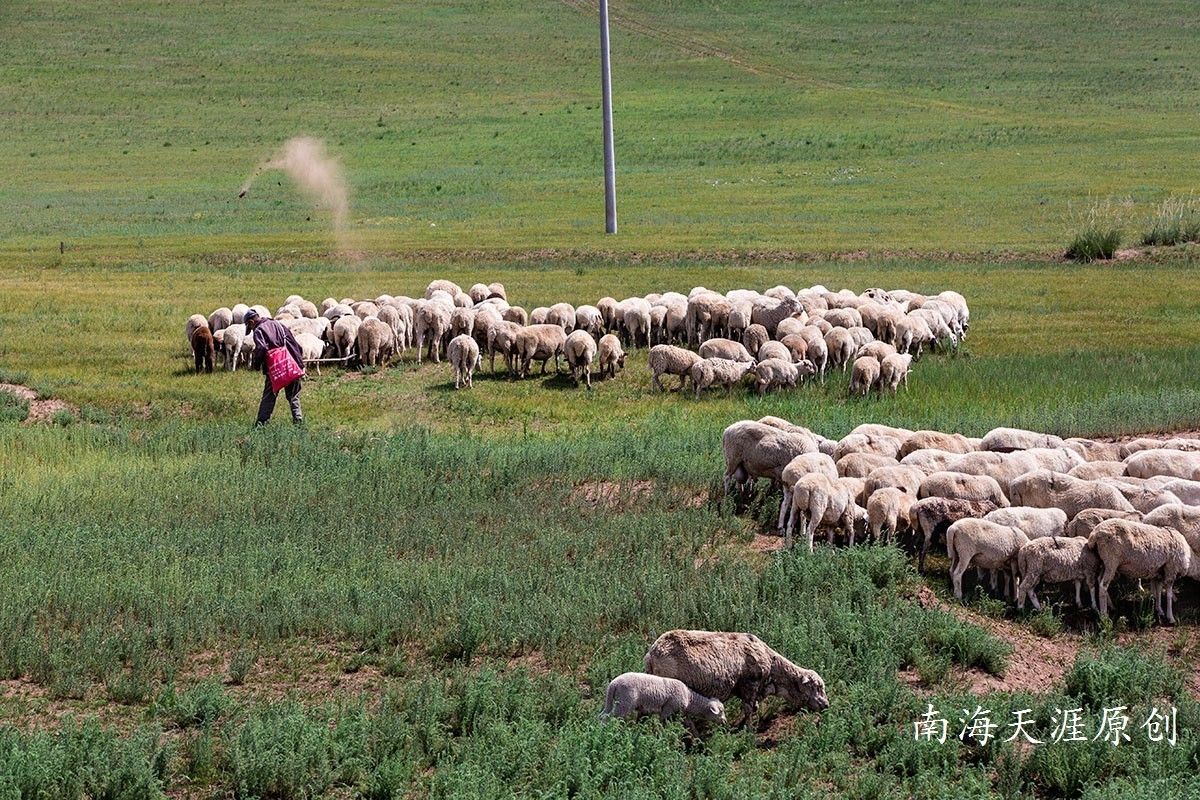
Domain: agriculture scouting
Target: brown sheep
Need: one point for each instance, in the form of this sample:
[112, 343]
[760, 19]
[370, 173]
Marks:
[723, 665]
[203, 349]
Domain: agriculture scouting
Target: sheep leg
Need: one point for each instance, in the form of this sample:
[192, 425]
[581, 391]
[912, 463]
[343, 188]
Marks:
[783, 507]
[956, 576]
[1169, 587]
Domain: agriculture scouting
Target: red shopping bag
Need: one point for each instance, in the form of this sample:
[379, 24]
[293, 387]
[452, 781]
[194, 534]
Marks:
[282, 369]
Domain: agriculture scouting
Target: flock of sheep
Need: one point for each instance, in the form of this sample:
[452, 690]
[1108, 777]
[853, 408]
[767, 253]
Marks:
[1029, 506]
[778, 337]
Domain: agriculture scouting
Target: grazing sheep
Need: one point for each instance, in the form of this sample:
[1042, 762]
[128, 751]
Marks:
[725, 348]
[861, 464]
[1005, 440]
[640, 693]
[311, 347]
[928, 461]
[1094, 451]
[220, 319]
[515, 314]
[502, 339]
[433, 326]
[194, 322]
[203, 349]
[580, 350]
[897, 476]
[588, 318]
[757, 450]
[718, 372]
[234, 343]
[983, 544]
[562, 315]
[775, 372]
[449, 287]
[1083, 523]
[1042, 488]
[612, 357]
[344, 334]
[840, 346]
[463, 355]
[1093, 470]
[773, 349]
[667, 359]
[961, 486]
[864, 376]
[376, 341]
[769, 313]
[1138, 550]
[854, 442]
[1178, 517]
[821, 502]
[879, 350]
[1055, 559]
[893, 370]
[1175, 463]
[462, 321]
[722, 665]
[1036, 523]
[753, 338]
[796, 469]
[933, 516]
[888, 511]
[541, 343]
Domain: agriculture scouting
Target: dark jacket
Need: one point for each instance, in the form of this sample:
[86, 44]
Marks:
[271, 334]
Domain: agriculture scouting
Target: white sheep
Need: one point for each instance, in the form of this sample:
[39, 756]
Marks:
[893, 370]
[375, 341]
[580, 350]
[887, 511]
[775, 373]
[757, 450]
[1055, 559]
[725, 348]
[667, 359]
[1045, 489]
[1138, 550]
[344, 334]
[822, 502]
[864, 376]
[612, 357]
[639, 693]
[1175, 463]
[983, 544]
[718, 372]
[541, 343]
[961, 486]
[463, 355]
[1036, 523]
[796, 469]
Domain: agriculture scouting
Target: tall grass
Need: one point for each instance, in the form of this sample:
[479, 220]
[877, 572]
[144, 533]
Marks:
[1176, 221]
[1097, 232]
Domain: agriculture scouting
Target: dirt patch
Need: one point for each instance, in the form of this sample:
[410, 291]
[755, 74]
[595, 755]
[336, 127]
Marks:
[39, 410]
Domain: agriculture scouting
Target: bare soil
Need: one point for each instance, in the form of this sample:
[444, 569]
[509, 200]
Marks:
[39, 410]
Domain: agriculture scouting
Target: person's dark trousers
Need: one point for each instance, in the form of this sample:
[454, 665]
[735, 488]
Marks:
[267, 406]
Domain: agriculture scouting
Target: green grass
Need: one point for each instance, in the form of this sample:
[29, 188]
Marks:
[775, 125]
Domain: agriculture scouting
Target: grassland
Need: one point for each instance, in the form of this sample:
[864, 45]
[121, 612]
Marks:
[424, 593]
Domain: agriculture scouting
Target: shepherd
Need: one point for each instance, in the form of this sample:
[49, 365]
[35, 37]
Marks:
[278, 355]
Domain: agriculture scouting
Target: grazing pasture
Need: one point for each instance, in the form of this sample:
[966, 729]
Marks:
[425, 592]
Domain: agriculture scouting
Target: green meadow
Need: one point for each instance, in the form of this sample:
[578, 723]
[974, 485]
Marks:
[424, 593]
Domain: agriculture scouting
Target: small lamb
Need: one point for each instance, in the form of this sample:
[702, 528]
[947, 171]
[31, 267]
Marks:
[612, 357]
[640, 693]
[463, 355]
[718, 372]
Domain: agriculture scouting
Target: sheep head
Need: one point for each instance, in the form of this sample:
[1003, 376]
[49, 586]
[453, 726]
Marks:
[799, 687]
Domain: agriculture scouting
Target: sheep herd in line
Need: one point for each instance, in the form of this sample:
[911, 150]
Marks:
[1029, 506]
[778, 337]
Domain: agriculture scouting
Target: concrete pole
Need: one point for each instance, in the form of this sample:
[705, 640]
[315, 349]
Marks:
[610, 170]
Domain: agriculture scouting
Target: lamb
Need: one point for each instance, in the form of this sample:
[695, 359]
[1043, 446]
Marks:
[540, 342]
[864, 376]
[1036, 523]
[1042, 488]
[1138, 550]
[670, 360]
[203, 348]
[961, 486]
[722, 665]
[233, 345]
[612, 357]
[725, 348]
[376, 341]
[775, 372]
[718, 372]
[822, 502]
[640, 693]
[756, 450]
[977, 542]
[311, 347]
[934, 515]
[888, 511]
[463, 355]
[893, 370]
[580, 351]
[1055, 559]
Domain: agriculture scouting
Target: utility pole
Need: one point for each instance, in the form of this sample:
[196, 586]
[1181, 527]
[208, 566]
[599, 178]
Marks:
[610, 170]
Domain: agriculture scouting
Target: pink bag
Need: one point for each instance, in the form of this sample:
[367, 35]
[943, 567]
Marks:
[282, 369]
